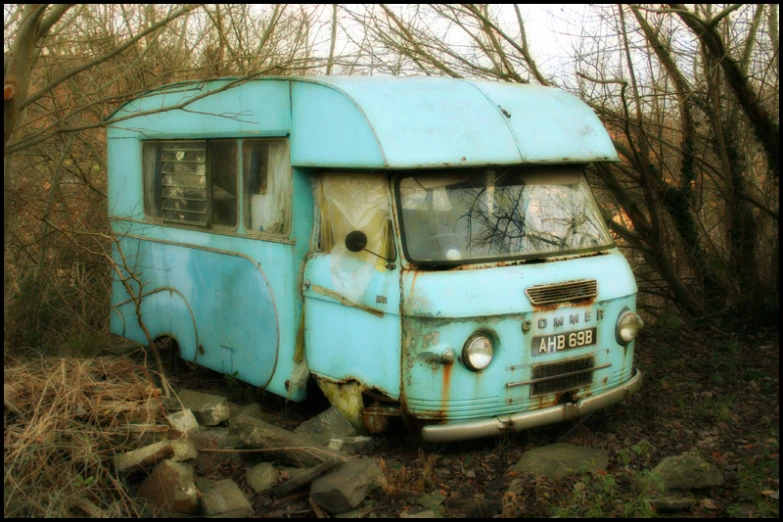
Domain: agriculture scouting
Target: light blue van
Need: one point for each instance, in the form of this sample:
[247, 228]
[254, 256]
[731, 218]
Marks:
[424, 248]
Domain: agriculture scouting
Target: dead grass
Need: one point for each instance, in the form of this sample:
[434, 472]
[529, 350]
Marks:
[72, 416]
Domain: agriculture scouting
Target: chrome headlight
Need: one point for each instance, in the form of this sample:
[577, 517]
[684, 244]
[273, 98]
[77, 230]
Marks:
[628, 325]
[477, 353]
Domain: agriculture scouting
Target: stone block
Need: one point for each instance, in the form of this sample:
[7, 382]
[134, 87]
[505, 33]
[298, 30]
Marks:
[209, 410]
[183, 450]
[353, 445]
[183, 421]
[684, 472]
[297, 449]
[225, 500]
[345, 487]
[215, 438]
[170, 486]
[261, 477]
[146, 456]
[557, 460]
[327, 425]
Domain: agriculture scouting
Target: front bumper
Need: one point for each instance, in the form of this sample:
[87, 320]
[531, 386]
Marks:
[531, 419]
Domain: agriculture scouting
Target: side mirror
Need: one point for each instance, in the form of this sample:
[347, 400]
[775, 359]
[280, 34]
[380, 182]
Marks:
[356, 241]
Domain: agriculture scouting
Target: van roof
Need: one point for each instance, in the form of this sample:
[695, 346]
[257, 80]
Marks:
[378, 122]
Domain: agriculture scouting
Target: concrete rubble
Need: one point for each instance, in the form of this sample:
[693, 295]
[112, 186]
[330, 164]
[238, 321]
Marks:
[319, 450]
[353, 445]
[328, 425]
[297, 449]
[143, 457]
[170, 486]
[686, 471]
[261, 477]
[557, 460]
[347, 486]
[215, 439]
[210, 410]
[225, 500]
[183, 421]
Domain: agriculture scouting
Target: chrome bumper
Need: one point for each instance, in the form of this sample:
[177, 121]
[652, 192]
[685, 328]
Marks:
[530, 419]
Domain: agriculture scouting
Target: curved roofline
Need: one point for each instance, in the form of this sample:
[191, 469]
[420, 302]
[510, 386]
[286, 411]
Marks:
[414, 122]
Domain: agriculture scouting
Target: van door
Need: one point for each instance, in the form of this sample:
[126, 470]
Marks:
[352, 300]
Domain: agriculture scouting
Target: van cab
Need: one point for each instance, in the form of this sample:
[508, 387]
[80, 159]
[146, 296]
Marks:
[423, 248]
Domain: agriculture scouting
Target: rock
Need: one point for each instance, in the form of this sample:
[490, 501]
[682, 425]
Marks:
[353, 513]
[224, 499]
[183, 421]
[170, 486]
[209, 410]
[253, 410]
[557, 460]
[686, 472]
[427, 513]
[671, 503]
[353, 445]
[215, 438]
[304, 478]
[261, 477]
[183, 450]
[347, 486]
[327, 425]
[295, 448]
[140, 458]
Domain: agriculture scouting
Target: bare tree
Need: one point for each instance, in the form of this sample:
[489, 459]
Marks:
[689, 96]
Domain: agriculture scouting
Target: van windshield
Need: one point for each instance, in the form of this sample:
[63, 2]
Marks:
[459, 216]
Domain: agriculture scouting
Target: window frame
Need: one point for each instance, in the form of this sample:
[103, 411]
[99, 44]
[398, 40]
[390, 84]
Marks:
[155, 215]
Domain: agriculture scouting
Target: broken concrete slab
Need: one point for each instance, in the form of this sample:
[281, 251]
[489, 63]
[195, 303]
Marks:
[687, 471]
[345, 487]
[209, 409]
[261, 477]
[215, 439]
[296, 449]
[557, 460]
[140, 458]
[353, 445]
[254, 410]
[672, 503]
[303, 478]
[225, 500]
[327, 425]
[170, 486]
[353, 513]
[183, 450]
[183, 421]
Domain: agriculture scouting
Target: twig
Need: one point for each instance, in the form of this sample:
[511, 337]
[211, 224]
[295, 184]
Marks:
[319, 511]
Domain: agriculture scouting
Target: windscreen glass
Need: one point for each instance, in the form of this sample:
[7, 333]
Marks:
[459, 216]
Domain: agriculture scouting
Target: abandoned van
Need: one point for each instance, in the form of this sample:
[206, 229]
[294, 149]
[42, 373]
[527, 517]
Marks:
[424, 248]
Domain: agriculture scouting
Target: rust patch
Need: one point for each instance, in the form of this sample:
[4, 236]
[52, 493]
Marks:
[376, 418]
[444, 399]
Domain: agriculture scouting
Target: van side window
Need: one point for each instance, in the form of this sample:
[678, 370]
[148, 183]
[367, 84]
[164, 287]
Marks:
[356, 201]
[267, 179]
[191, 182]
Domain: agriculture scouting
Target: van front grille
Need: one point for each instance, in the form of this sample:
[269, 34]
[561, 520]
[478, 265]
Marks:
[563, 292]
[562, 376]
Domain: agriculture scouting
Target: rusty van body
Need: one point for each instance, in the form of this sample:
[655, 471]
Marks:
[424, 248]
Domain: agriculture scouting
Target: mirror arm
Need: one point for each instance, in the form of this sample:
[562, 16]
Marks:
[389, 264]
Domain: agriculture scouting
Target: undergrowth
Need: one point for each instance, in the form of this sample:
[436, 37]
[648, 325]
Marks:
[68, 417]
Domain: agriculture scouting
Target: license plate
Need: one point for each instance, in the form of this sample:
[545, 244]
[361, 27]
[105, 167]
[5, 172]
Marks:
[563, 341]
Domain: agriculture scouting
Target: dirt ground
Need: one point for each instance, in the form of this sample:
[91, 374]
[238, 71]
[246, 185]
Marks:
[705, 390]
